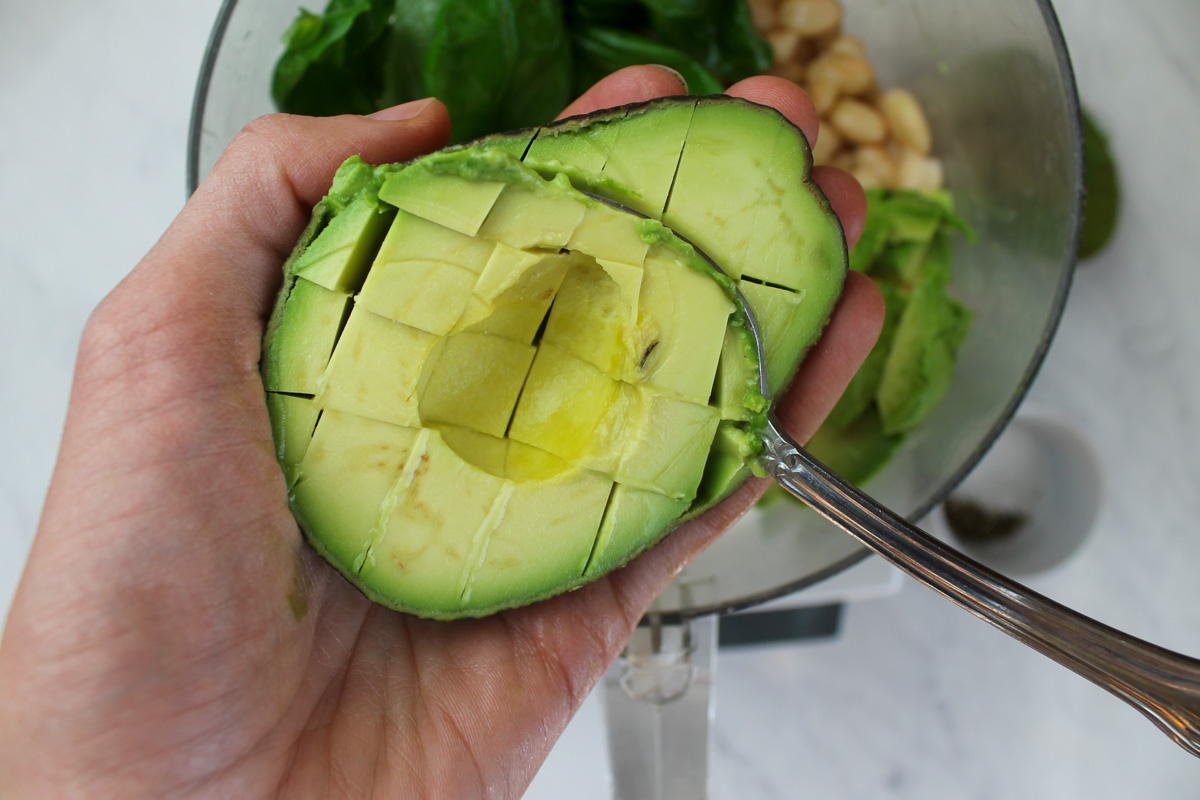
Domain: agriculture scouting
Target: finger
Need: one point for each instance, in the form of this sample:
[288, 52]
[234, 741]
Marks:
[229, 242]
[286, 160]
[847, 197]
[628, 85]
[827, 369]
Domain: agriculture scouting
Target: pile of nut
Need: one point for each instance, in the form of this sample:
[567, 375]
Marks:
[880, 136]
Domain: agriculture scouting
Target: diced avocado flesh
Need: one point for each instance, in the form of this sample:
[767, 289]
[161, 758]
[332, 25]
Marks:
[300, 344]
[529, 386]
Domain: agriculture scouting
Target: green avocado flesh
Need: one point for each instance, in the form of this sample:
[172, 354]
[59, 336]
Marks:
[505, 369]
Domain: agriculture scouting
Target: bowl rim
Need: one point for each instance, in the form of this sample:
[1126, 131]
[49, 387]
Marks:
[673, 616]
[200, 96]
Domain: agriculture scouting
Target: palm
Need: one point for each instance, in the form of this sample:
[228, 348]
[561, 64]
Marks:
[173, 635]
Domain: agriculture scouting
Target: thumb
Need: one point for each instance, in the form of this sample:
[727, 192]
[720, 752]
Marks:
[208, 284]
[246, 216]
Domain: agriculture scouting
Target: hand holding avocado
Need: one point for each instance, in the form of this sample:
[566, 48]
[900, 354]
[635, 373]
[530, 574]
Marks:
[173, 634]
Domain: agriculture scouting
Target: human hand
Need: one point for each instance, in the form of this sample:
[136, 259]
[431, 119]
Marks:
[174, 636]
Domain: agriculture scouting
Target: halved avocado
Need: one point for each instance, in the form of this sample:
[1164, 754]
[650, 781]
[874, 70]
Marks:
[528, 385]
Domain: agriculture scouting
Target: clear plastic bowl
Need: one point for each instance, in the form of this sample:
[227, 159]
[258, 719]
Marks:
[996, 83]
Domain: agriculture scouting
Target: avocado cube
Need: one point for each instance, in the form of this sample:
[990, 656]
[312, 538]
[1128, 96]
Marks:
[489, 453]
[301, 338]
[571, 409]
[434, 308]
[525, 464]
[665, 450]
[439, 518]
[542, 540]
[610, 235]
[292, 421]
[648, 158]
[528, 220]
[506, 270]
[473, 366]
[347, 471]
[340, 256]
[453, 202]
[513, 294]
[859, 450]
[518, 320]
[687, 312]
[728, 460]
[412, 238]
[375, 369]
[586, 151]
[593, 313]
[860, 394]
[710, 165]
[779, 310]
[920, 363]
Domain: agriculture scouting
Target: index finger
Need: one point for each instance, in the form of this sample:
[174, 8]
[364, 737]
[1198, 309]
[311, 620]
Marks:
[628, 85]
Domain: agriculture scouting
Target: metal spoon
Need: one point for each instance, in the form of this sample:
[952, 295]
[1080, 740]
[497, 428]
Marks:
[1163, 685]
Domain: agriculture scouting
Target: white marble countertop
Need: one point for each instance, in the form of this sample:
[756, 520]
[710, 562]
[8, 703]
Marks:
[914, 698]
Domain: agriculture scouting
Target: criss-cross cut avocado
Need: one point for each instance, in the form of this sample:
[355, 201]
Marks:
[504, 369]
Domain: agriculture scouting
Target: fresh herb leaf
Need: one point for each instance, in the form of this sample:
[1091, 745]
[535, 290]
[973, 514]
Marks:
[499, 64]
[720, 34]
[413, 25]
[502, 64]
[628, 14]
[1103, 198]
[332, 62]
[600, 50]
[677, 9]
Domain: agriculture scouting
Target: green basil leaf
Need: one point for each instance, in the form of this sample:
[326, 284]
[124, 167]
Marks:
[330, 63]
[499, 64]
[413, 26]
[1103, 198]
[600, 50]
[628, 14]
[677, 9]
[720, 34]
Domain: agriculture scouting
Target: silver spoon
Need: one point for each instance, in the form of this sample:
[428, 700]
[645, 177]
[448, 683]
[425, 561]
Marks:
[1163, 685]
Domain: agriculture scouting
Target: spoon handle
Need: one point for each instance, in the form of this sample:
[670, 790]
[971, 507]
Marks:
[1163, 685]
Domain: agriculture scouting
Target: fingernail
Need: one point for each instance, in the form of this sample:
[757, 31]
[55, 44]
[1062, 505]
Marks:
[409, 110]
[675, 74]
